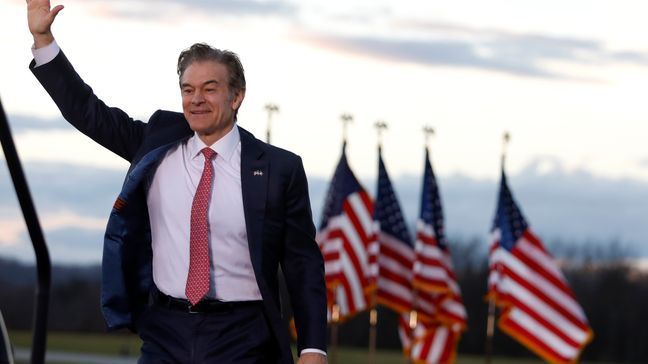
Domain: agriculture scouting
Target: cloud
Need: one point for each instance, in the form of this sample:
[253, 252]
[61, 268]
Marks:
[643, 163]
[242, 7]
[67, 245]
[20, 123]
[571, 206]
[11, 230]
[73, 203]
[521, 54]
[377, 32]
[560, 205]
[72, 245]
[57, 187]
[59, 229]
[64, 145]
[164, 8]
[66, 219]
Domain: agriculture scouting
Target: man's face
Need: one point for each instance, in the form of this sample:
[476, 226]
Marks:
[207, 102]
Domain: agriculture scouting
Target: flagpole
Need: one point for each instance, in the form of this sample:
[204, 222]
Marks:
[490, 330]
[373, 323]
[428, 132]
[346, 120]
[413, 322]
[490, 324]
[335, 319]
[413, 317]
[271, 109]
[380, 126]
[335, 309]
[506, 139]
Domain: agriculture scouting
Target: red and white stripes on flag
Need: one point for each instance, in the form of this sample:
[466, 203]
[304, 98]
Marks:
[433, 270]
[349, 247]
[395, 289]
[428, 344]
[440, 313]
[347, 239]
[396, 249]
[435, 280]
[395, 274]
[537, 306]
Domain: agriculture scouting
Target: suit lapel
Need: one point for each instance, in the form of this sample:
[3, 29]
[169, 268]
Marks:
[172, 130]
[144, 167]
[254, 186]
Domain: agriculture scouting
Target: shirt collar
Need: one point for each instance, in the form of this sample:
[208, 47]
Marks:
[224, 147]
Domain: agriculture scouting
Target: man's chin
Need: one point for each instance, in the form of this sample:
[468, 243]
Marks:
[198, 125]
[203, 130]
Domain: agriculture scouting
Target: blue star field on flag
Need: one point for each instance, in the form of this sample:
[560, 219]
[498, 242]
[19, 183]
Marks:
[387, 210]
[343, 184]
[431, 210]
[508, 218]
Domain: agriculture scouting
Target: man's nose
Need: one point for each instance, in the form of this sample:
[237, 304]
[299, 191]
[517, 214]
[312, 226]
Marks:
[197, 98]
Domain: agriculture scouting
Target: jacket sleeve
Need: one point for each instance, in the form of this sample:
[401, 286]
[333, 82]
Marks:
[108, 126]
[303, 265]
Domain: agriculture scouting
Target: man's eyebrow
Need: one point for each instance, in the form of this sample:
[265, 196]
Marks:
[184, 84]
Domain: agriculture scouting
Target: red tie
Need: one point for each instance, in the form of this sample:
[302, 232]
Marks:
[198, 277]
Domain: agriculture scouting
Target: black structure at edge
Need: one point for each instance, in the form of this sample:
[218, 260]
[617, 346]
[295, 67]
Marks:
[43, 264]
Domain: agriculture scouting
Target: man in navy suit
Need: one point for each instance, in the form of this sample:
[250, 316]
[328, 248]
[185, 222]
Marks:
[206, 216]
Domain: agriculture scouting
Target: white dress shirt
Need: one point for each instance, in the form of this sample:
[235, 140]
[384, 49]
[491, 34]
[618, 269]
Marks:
[170, 196]
[45, 54]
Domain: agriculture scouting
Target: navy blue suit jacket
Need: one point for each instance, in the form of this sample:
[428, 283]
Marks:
[278, 217]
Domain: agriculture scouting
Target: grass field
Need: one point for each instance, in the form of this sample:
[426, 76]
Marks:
[88, 343]
[128, 345]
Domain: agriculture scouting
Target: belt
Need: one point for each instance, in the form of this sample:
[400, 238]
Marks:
[204, 306]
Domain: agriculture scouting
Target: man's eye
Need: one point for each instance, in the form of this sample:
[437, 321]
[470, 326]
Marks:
[186, 91]
[210, 89]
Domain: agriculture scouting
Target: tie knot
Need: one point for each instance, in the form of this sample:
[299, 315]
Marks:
[208, 153]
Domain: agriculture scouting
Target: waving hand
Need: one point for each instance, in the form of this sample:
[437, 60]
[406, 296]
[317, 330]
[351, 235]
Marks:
[40, 17]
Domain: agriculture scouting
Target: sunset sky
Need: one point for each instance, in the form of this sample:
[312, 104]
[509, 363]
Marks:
[566, 79]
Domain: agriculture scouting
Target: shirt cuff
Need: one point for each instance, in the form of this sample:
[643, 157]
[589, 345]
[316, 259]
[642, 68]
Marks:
[45, 54]
[317, 351]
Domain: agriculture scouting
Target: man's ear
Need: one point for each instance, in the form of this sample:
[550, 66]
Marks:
[237, 100]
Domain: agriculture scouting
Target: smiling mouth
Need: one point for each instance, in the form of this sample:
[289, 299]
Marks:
[200, 112]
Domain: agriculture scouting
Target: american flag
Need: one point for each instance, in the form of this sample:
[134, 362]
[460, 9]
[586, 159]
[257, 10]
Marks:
[436, 332]
[433, 270]
[347, 239]
[538, 308]
[396, 250]
[428, 343]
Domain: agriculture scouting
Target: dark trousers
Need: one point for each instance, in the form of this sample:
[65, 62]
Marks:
[237, 335]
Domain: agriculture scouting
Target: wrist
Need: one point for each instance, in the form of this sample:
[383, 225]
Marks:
[42, 40]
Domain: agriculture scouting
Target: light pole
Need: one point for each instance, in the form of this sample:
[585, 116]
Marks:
[271, 109]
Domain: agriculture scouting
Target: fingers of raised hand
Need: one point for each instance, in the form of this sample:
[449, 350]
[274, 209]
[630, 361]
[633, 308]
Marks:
[38, 4]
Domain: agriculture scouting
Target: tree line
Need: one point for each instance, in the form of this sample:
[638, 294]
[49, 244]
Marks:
[613, 293]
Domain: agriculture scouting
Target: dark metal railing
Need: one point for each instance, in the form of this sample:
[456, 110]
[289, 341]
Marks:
[43, 265]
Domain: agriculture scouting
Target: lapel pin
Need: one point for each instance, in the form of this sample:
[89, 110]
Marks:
[258, 172]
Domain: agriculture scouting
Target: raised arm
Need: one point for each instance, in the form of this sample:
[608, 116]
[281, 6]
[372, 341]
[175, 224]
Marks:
[108, 126]
[40, 17]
